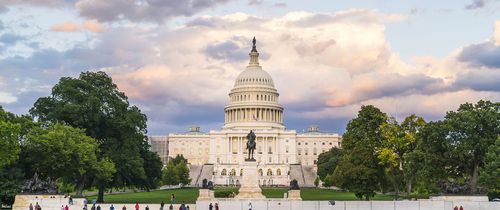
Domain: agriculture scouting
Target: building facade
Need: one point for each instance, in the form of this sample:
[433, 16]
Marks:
[253, 104]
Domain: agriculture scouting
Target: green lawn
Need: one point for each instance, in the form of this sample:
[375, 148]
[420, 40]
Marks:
[326, 194]
[189, 195]
[274, 192]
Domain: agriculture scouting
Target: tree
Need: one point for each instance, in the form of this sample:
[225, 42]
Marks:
[182, 171]
[169, 175]
[472, 129]
[316, 182]
[327, 161]
[11, 181]
[359, 170]
[64, 152]
[9, 138]
[400, 140]
[152, 167]
[490, 173]
[93, 102]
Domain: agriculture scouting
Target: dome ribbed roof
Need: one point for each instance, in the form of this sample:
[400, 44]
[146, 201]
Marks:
[254, 76]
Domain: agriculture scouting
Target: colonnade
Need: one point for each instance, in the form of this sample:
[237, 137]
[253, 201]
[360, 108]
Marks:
[253, 114]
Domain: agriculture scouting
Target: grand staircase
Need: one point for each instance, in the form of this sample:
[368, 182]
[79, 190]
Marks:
[199, 172]
[305, 175]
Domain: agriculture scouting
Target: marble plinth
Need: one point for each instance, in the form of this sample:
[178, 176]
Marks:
[206, 194]
[250, 182]
[294, 195]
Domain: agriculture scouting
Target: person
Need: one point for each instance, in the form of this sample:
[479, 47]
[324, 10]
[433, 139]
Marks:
[93, 207]
[66, 207]
[171, 207]
[70, 200]
[172, 198]
[187, 207]
[216, 206]
[249, 205]
[210, 207]
[111, 207]
[31, 206]
[136, 205]
[37, 206]
[124, 208]
[161, 205]
[62, 207]
[85, 201]
[456, 208]
[147, 207]
[98, 207]
[183, 206]
[461, 208]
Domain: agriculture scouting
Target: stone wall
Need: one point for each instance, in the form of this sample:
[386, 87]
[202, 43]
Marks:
[281, 204]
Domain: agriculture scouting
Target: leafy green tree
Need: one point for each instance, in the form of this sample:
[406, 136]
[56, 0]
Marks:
[93, 102]
[400, 140]
[11, 181]
[430, 160]
[490, 173]
[169, 175]
[327, 161]
[63, 152]
[152, 167]
[9, 138]
[182, 171]
[179, 159]
[472, 129]
[359, 170]
[316, 182]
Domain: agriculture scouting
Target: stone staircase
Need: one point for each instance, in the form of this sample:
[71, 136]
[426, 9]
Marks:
[305, 175]
[296, 173]
[199, 172]
[194, 173]
[309, 173]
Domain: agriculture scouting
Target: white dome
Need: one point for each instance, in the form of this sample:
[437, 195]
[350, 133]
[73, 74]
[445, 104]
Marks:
[254, 76]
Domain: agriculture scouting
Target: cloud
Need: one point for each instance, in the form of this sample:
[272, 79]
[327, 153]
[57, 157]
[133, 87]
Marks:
[476, 4]
[325, 66]
[280, 4]
[255, 2]
[378, 85]
[10, 39]
[68, 26]
[142, 11]
[484, 54]
[496, 33]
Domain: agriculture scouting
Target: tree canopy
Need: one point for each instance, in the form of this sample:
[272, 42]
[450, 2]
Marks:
[92, 102]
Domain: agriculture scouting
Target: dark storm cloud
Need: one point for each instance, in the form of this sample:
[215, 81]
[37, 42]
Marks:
[476, 4]
[142, 11]
[228, 50]
[486, 54]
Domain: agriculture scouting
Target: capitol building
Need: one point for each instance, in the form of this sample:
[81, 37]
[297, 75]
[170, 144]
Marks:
[282, 155]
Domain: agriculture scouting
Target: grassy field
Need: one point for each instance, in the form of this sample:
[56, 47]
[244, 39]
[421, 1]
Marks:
[326, 194]
[189, 195]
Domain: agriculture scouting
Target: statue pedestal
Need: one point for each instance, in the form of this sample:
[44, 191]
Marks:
[206, 194]
[294, 195]
[250, 182]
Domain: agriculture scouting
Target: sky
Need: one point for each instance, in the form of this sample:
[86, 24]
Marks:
[177, 60]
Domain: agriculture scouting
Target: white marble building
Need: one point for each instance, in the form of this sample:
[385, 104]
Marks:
[253, 104]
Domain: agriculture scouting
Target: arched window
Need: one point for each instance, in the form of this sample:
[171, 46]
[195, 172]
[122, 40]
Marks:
[233, 172]
[278, 172]
[269, 172]
[223, 173]
[260, 172]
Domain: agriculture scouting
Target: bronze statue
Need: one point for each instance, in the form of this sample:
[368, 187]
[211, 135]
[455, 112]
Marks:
[251, 144]
[254, 48]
